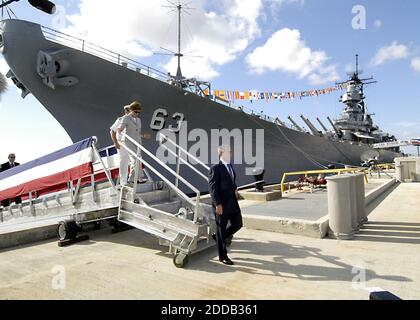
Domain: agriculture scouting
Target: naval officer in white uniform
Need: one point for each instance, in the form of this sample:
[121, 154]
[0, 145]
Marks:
[116, 138]
[131, 125]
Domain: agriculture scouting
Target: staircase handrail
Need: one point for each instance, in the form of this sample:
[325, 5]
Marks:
[161, 176]
[179, 157]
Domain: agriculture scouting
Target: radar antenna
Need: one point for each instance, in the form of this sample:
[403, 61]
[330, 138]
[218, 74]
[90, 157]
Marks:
[180, 7]
[355, 77]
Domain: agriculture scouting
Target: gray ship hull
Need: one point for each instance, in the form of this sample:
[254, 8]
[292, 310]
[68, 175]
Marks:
[91, 106]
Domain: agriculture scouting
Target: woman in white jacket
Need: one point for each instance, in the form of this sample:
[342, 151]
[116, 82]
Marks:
[131, 126]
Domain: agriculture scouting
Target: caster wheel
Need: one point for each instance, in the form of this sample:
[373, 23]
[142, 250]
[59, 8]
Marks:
[98, 225]
[113, 222]
[181, 260]
[67, 230]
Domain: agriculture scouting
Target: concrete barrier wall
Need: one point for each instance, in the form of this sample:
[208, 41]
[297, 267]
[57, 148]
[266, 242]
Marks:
[22, 237]
[371, 196]
[313, 229]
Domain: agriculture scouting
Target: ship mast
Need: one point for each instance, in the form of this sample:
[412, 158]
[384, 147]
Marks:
[357, 64]
[202, 88]
[179, 54]
[180, 8]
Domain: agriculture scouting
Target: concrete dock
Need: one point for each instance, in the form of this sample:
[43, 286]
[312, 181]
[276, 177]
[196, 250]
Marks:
[268, 265]
[303, 212]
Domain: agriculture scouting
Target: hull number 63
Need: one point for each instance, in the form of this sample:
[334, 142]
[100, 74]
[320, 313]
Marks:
[159, 120]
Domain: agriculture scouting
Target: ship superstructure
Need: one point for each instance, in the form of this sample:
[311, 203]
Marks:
[356, 124]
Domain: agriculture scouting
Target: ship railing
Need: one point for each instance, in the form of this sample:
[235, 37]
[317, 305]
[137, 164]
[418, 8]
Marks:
[140, 160]
[262, 116]
[387, 166]
[111, 56]
[312, 172]
[121, 60]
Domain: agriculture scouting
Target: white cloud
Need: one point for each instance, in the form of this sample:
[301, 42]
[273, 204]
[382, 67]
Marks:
[408, 124]
[394, 51]
[415, 64]
[4, 69]
[141, 27]
[377, 24]
[278, 3]
[286, 51]
[349, 68]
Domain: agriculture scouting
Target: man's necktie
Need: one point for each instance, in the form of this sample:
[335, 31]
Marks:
[231, 171]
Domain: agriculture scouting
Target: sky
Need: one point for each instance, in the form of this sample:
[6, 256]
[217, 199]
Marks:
[265, 45]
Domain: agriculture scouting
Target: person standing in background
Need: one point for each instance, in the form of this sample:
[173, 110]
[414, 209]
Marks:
[6, 166]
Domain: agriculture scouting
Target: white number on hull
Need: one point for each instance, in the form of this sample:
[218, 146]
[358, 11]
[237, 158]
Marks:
[159, 120]
[180, 117]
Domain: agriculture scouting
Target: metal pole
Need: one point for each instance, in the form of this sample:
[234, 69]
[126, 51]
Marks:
[31, 204]
[136, 173]
[178, 167]
[197, 208]
[106, 170]
[179, 37]
[5, 4]
[418, 151]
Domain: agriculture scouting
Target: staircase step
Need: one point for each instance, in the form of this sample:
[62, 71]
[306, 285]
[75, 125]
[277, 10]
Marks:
[143, 223]
[155, 197]
[168, 220]
[150, 197]
[145, 187]
[168, 206]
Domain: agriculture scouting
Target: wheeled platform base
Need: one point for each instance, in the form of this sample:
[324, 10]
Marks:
[65, 243]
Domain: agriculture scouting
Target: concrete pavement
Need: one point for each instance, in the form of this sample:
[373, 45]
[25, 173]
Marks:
[131, 265]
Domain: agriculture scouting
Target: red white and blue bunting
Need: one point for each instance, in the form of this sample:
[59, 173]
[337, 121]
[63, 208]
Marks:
[68, 164]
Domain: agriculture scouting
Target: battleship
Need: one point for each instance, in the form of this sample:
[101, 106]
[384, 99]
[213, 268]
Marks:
[279, 254]
[84, 87]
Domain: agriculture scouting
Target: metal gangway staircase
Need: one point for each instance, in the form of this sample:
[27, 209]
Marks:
[158, 207]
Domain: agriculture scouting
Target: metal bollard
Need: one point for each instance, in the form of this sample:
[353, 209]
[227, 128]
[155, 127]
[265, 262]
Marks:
[398, 168]
[360, 196]
[339, 209]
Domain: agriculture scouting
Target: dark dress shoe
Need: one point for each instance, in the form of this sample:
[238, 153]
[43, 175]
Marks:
[226, 261]
[214, 236]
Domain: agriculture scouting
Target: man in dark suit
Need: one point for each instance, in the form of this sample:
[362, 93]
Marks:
[224, 194]
[6, 166]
